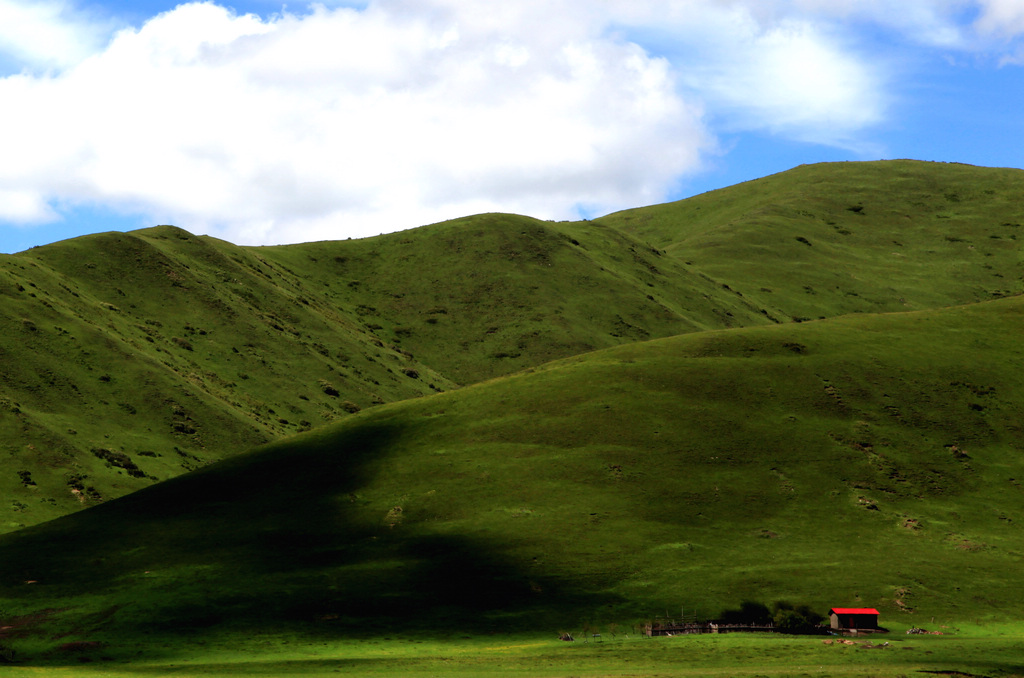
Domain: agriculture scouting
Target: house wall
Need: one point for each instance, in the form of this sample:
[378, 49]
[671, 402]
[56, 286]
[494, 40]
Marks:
[854, 621]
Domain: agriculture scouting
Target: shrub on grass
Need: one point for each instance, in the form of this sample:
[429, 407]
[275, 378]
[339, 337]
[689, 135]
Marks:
[749, 612]
[786, 617]
[120, 460]
[795, 619]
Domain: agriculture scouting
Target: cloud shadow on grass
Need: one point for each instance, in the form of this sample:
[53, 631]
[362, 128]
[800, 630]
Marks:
[272, 541]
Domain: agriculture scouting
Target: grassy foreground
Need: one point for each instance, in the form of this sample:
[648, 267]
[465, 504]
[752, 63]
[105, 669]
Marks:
[993, 651]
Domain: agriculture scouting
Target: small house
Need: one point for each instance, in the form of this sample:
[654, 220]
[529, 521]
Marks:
[854, 618]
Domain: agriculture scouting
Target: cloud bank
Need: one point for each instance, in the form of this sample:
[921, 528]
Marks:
[341, 122]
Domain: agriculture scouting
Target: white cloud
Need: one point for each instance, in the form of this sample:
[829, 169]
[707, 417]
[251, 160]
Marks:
[345, 122]
[769, 66]
[1001, 18]
[45, 34]
[337, 122]
[341, 122]
[926, 22]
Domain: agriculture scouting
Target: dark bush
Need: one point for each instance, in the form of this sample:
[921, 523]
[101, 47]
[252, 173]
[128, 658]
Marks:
[120, 460]
[795, 619]
[786, 617]
[749, 612]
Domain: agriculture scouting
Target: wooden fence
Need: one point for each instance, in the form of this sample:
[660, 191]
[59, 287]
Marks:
[676, 628]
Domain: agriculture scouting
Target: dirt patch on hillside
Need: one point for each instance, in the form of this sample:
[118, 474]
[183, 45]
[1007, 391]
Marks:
[18, 627]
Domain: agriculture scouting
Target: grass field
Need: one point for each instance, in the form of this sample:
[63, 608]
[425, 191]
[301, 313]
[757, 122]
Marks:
[969, 651]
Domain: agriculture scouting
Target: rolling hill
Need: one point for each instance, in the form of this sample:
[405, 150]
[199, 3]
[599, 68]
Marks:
[131, 358]
[806, 387]
[871, 459]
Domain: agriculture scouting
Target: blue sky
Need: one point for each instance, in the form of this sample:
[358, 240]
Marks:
[265, 123]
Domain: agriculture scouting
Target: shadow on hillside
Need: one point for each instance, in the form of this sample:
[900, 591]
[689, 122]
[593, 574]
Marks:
[272, 541]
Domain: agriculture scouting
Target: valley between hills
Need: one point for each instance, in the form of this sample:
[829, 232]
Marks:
[804, 388]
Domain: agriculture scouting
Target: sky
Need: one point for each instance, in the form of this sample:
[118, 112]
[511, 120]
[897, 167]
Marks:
[265, 123]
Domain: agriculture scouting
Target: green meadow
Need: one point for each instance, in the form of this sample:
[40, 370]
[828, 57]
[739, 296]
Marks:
[988, 651]
[438, 450]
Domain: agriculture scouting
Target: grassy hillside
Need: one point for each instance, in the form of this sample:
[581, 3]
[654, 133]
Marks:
[867, 460]
[136, 357]
[492, 294]
[830, 239]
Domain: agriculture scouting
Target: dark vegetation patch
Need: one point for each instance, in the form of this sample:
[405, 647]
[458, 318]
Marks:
[119, 460]
[783, 615]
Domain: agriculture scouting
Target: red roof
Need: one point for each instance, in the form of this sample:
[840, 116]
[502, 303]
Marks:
[854, 610]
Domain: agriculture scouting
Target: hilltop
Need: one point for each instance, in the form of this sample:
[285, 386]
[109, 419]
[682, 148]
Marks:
[826, 240]
[136, 357]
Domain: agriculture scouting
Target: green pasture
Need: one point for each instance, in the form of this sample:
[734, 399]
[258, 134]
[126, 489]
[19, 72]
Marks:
[969, 651]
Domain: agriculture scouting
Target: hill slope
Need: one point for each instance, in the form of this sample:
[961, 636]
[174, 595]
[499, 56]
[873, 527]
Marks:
[871, 460]
[836, 238]
[135, 357]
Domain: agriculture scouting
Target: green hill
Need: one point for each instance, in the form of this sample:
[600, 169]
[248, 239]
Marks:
[830, 239]
[130, 358]
[870, 460]
[504, 423]
[136, 357]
